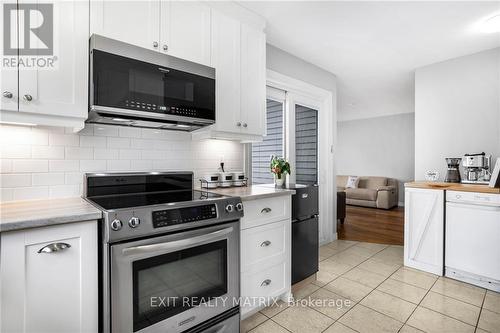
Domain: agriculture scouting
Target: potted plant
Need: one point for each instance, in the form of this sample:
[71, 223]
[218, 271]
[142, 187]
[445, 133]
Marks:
[279, 167]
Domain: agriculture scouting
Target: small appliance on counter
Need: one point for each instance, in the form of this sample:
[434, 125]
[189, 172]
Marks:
[453, 172]
[239, 178]
[305, 232]
[210, 180]
[477, 168]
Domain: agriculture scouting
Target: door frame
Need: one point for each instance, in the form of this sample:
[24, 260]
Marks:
[302, 93]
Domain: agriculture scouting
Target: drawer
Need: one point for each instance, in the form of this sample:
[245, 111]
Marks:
[264, 243]
[267, 282]
[267, 210]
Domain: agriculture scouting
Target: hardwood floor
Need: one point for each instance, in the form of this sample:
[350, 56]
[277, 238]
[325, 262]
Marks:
[373, 225]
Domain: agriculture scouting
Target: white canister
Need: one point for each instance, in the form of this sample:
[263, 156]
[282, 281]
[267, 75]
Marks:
[225, 179]
[238, 178]
[211, 180]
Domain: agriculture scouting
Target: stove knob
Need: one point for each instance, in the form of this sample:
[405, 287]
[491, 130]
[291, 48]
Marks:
[239, 207]
[134, 222]
[230, 208]
[116, 224]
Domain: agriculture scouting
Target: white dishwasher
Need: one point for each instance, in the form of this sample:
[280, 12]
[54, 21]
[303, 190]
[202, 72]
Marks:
[472, 238]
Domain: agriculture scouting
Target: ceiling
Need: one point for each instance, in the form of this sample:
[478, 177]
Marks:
[374, 47]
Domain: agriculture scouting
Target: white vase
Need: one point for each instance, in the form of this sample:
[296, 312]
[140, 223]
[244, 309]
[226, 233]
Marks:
[279, 182]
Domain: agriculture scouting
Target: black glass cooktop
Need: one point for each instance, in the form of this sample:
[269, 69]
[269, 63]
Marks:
[146, 199]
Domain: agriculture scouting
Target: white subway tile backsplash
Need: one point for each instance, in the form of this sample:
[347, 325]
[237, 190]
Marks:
[106, 154]
[118, 143]
[29, 193]
[77, 153]
[105, 130]
[12, 150]
[30, 165]
[64, 165]
[129, 132]
[54, 165]
[92, 165]
[48, 178]
[58, 139]
[15, 180]
[47, 152]
[64, 191]
[92, 141]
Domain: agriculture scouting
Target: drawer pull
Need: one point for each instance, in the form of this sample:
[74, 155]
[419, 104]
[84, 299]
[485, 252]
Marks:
[265, 283]
[266, 210]
[54, 247]
[265, 243]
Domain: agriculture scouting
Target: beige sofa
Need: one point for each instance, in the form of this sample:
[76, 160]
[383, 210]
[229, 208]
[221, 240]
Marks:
[376, 192]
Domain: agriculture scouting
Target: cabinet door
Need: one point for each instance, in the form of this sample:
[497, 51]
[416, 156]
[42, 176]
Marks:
[226, 60]
[253, 81]
[135, 22]
[185, 30]
[424, 230]
[61, 90]
[8, 75]
[50, 292]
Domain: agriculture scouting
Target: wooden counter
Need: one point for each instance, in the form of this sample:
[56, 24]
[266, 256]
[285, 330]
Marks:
[453, 187]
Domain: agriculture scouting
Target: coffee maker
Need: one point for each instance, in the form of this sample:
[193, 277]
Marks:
[453, 172]
[476, 168]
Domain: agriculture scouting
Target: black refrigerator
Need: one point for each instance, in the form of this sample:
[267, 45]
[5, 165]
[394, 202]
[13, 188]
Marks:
[305, 232]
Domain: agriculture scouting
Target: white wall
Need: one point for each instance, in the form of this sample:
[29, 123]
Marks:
[457, 110]
[41, 162]
[381, 146]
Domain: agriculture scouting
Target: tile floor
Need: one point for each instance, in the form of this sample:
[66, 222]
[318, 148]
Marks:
[363, 287]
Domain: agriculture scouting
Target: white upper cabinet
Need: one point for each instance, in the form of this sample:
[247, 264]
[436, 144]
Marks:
[185, 30]
[8, 76]
[226, 52]
[253, 81]
[61, 91]
[133, 22]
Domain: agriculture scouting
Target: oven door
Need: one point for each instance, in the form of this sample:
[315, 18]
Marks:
[174, 282]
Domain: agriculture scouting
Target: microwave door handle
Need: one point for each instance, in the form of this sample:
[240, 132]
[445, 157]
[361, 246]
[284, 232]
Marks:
[173, 245]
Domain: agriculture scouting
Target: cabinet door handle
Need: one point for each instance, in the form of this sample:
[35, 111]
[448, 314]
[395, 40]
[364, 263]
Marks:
[245, 125]
[165, 47]
[266, 210]
[238, 124]
[265, 283]
[7, 94]
[265, 243]
[155, 44]
[54, 247]
[28, 98]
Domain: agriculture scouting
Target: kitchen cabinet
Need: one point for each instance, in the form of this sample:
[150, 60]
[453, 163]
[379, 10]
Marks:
[238, 55]
[49, 279]
[177, 28]
[52, 95]
[265, 252]
[424, 229]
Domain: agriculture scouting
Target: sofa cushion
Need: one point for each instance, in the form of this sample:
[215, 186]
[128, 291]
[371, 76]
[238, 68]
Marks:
[372, 182]
[342, 181]
[361, 194]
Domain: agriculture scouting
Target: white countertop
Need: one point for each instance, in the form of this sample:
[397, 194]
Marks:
[39, 213]
[252, 192]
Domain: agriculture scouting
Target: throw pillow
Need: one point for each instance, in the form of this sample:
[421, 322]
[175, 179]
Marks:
[352, 182]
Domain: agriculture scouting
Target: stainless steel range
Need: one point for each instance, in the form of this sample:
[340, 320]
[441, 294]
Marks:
[170, 254]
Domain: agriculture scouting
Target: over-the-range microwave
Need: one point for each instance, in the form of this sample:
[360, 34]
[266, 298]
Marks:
[134, 86]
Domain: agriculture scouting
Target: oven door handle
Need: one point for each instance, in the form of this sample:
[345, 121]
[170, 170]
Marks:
[175, 244]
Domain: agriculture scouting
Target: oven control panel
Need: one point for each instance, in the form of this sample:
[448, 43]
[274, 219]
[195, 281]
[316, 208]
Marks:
[168, 217]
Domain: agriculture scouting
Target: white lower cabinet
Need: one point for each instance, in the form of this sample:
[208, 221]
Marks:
[49, 279]
[265, 254]
[424, 230]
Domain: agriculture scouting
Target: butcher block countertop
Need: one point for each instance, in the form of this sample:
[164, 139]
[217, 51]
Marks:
[40, 213]
[453, 187]
[253, 191]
